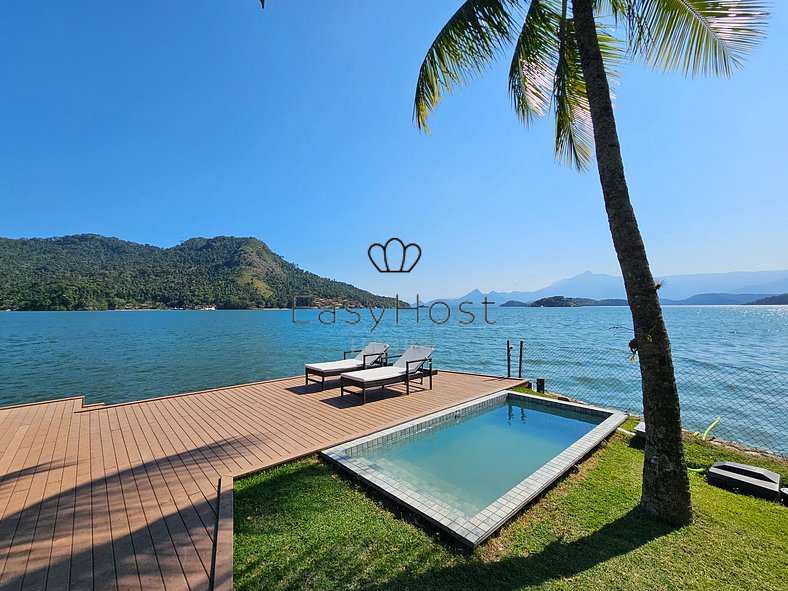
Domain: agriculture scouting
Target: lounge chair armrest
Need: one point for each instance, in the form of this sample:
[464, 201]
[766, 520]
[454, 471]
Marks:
[390, 358]
[419, 363]
[346, 353]
[372, 356]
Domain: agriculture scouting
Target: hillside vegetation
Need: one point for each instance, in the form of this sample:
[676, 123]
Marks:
[92, 272]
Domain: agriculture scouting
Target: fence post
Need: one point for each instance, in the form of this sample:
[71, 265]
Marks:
[520, 367]
[508, 360]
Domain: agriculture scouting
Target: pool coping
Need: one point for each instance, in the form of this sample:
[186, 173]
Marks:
[474, 530]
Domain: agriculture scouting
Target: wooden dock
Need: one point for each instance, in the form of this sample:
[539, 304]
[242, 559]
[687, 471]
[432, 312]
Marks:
[128, 496]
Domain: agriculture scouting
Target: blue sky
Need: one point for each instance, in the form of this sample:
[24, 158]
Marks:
[158, 121]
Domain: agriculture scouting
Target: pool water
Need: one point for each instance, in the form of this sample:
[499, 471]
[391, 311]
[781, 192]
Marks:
[471, 461]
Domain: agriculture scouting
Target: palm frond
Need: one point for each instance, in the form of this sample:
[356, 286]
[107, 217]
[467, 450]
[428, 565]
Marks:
[534, 62]
[614, 54]
[613, 49]
[574, 132]
[545, 71]
[470, 40]
[707, 37]
[624, 15]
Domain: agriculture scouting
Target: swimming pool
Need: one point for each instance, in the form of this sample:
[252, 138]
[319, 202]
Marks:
[472, 467]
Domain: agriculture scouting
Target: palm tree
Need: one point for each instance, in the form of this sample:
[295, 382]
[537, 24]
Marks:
[564, 58]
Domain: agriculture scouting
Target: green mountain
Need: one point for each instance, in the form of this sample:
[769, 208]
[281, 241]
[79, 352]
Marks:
[92, 272]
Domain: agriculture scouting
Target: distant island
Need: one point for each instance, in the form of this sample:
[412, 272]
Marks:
[515, 304]
[563, 302]
[700, 299]
[715, 299]
[92, 272]
[777, 300]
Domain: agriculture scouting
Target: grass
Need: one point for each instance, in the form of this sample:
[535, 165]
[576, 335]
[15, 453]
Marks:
[630, 424]
[524, 390]
[302, 526]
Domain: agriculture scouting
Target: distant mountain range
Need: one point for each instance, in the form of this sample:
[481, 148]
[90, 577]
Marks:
[92, 272]
[738, 287]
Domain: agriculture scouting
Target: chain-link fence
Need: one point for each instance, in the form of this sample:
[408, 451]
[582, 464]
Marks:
[752, 403]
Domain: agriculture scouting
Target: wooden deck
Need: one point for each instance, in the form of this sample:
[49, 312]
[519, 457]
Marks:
[127, 496]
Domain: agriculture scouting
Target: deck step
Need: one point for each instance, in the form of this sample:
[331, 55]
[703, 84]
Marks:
[92, 405]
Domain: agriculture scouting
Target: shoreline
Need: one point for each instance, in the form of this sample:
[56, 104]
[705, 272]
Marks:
[389, 308]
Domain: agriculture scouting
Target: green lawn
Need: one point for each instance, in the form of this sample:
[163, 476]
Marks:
[300, 526]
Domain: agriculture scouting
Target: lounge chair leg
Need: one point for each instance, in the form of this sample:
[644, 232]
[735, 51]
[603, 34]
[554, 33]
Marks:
[306, 378]
[407, 387]
[363, 394]
[341, 390]
[323, 383]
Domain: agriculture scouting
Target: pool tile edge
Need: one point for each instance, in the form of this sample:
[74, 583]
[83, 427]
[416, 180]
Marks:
[474, 530]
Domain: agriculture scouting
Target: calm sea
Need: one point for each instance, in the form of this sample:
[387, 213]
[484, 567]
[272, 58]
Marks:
[731, 361]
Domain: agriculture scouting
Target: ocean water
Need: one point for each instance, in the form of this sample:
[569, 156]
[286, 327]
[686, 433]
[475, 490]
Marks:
[732, 361]
[469, 464]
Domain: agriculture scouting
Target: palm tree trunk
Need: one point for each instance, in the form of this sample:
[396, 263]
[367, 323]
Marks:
[665, 481]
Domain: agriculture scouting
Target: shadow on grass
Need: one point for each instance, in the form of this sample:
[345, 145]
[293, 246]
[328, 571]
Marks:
[637, 443]
[298, 495]
[558, 560]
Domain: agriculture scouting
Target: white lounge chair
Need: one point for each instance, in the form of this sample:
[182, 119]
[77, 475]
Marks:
[371, 355]
[414, 363]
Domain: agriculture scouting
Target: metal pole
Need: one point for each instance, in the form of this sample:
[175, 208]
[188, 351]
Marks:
[508, 360]
[520, 368]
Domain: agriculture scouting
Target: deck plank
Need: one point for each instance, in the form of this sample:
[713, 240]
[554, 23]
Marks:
[81, 559]
[20, 513]
[103, 556]
[189, 476]
[126, 496]
[37, 566]
[149, 479]
[59, 566]
[147, 566]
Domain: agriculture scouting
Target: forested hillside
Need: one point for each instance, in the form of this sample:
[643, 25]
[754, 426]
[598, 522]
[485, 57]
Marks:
[92, 272]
